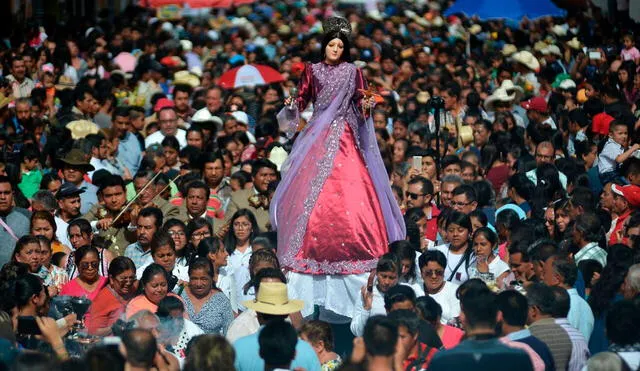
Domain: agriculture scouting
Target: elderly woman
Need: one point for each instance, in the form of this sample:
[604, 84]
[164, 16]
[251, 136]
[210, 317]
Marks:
[206, 306]
[89, 282]
[111, 301]
[155, 287]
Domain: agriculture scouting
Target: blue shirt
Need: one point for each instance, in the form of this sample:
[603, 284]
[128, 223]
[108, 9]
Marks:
[88, 198]
[580, 314]
[248, 356]
[524, 336]
[140, 257]
[129, 153]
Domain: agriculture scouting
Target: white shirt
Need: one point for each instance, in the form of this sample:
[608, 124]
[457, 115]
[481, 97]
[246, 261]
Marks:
[103, 165]
[158, 137]
[227, 284]
[447, 300]
[239, 267]
[180, 271]
[243, 325]
[461, 274]
[498, 266]
[361, 315]
[61, 231]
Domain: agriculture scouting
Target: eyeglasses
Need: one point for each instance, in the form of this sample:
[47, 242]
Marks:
[86, 265]
[413, 196]
[123, 280]
[176, 233]
[549, 221]
[241, 225]
[437, 273]
[201, 234]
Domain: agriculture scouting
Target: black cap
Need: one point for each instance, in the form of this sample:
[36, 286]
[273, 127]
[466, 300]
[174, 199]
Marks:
[68, 190]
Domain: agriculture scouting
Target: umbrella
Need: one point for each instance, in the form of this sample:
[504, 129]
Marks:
[224, 4]
[126, 61]
[249, 75]
[511, 9]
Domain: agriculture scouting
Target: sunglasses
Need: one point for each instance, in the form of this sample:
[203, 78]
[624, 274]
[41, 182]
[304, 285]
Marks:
[86, 265]
[413, 196]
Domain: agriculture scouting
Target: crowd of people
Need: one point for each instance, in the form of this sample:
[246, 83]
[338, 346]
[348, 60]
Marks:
[131, 178]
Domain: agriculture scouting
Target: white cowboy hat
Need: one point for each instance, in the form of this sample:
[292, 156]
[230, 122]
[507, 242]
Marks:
[574, 43]
[559, 30]
[499, 95]
[278, 156]
[527, 59]
[539, 46]
[273, 298]
[511, 88]
[508, 50]
[552, 49]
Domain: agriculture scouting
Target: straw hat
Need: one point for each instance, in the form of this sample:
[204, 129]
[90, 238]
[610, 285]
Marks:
[552, 49]
[511, 88]
[81, 128]
[574, 44]
[509, 49]
[272, 298]
[499, 95]
[527, 59]
[539, 46]
[76, 158]
[475, 29]
[186, 77]
[65, 82]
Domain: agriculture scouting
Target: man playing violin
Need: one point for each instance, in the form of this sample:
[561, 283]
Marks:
[149, 197]
[104, 217]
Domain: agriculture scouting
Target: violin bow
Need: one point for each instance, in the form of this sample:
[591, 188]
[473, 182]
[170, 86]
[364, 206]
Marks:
[135, 197]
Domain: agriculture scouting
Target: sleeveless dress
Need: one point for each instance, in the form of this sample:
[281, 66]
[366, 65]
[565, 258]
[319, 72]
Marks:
[334, 210]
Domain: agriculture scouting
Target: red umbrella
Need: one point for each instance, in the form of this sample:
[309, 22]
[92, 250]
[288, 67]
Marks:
[199, 3]
[249, 75]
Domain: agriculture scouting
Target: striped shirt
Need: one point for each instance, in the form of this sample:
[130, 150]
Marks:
[591, 251]
[556, 338]
[580, 348]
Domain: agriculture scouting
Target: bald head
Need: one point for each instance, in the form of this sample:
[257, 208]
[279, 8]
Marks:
[140, 347]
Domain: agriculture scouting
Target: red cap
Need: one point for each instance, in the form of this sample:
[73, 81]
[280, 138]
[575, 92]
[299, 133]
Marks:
[163, 103]
[535, 104]
[630, 192]
[601, 122]
[171, 61]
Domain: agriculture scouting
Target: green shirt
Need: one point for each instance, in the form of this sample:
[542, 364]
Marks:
[30, 183]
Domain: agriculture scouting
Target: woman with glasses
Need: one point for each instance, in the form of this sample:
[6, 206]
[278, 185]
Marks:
[243, 228]
[177, 230]
[110, 303]
[432, 265]
[81, 234]
[196, 231]
[89, 282]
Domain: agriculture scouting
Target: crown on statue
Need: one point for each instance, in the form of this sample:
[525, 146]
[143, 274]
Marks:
[337, 24]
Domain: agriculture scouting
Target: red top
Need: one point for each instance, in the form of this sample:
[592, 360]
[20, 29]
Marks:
[613, 238]
[105, 310]
[422, 349]
[431, 232]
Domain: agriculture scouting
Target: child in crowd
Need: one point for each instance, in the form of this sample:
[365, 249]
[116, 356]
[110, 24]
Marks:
[615, 151]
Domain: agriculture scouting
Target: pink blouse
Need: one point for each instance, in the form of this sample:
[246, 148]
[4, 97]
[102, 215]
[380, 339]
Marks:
[73, 288]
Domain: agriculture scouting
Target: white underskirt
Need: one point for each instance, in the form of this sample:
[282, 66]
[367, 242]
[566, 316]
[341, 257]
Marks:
[335, 294]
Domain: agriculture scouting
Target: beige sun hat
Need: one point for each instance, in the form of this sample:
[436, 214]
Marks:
[508, 50]
[499, 95]
[527, 59]
[559, 30]
[512, 88]
[273, 298]
[81, 128]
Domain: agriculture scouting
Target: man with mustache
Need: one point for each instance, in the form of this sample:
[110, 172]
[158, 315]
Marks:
[69, 208]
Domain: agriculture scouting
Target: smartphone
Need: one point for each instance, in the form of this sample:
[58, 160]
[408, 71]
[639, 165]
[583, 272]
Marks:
[27, 325]
[417, 162]
[595, 55]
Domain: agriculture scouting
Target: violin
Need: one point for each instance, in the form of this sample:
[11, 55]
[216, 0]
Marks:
[120, 218]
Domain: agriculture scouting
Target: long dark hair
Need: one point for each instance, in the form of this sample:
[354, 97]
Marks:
[405, 250]
[230, 240]
[612, 276]
[346, 52]
[464, 221]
